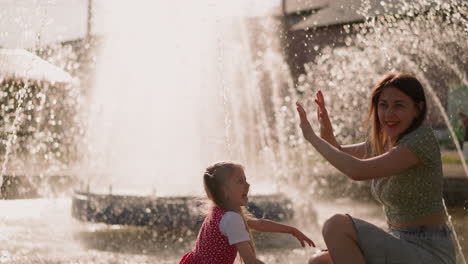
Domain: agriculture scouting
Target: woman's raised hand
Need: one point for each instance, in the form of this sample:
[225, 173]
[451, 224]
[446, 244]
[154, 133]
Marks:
[306, 128]
[326, 130]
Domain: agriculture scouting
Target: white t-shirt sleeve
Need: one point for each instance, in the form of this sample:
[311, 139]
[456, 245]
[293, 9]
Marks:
[232, 225]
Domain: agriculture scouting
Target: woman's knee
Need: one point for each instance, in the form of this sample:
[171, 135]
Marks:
[323, 258]
[338, 224]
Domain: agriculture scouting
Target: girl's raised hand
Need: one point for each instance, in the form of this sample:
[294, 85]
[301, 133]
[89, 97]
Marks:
[303, 239]
[306, 128]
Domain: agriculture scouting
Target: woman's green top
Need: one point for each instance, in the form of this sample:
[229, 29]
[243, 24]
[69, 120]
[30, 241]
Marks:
[416, 191]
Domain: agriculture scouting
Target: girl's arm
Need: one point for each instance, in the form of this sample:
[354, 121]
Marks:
[246, 253]
[392, 162]
[264, 225]
[326, 130]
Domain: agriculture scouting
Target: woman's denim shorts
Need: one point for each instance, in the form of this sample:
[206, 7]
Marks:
[405, 245]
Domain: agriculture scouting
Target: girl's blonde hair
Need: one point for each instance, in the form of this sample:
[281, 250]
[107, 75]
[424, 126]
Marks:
[214, 180]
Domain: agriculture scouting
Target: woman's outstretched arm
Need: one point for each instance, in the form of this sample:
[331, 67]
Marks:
[390, 163]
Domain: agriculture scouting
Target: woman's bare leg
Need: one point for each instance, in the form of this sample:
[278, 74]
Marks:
[341, 239]
[323, 258]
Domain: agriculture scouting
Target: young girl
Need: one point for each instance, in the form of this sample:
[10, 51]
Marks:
[226, 229]
[402, 158]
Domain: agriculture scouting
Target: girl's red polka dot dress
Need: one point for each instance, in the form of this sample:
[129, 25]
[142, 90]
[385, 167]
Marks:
[211, 247]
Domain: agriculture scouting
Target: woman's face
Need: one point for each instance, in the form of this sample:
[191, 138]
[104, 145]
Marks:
[396, 112]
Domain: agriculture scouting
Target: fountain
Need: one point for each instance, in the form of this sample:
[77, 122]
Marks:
[169, 105]
[36, 129]
[181, 85]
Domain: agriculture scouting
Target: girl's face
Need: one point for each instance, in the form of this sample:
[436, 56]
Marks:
[396, 112]
[237, 188]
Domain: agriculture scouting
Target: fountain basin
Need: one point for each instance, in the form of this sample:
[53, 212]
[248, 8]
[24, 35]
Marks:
[171, 212]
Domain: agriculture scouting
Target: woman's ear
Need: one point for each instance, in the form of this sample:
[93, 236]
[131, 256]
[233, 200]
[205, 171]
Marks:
[420, 106]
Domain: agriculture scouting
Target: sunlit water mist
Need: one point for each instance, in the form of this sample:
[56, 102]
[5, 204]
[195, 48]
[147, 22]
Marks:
[148, 100]
[179, 86]
[429, 45]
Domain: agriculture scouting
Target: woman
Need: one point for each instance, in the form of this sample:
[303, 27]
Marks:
[402, 158]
